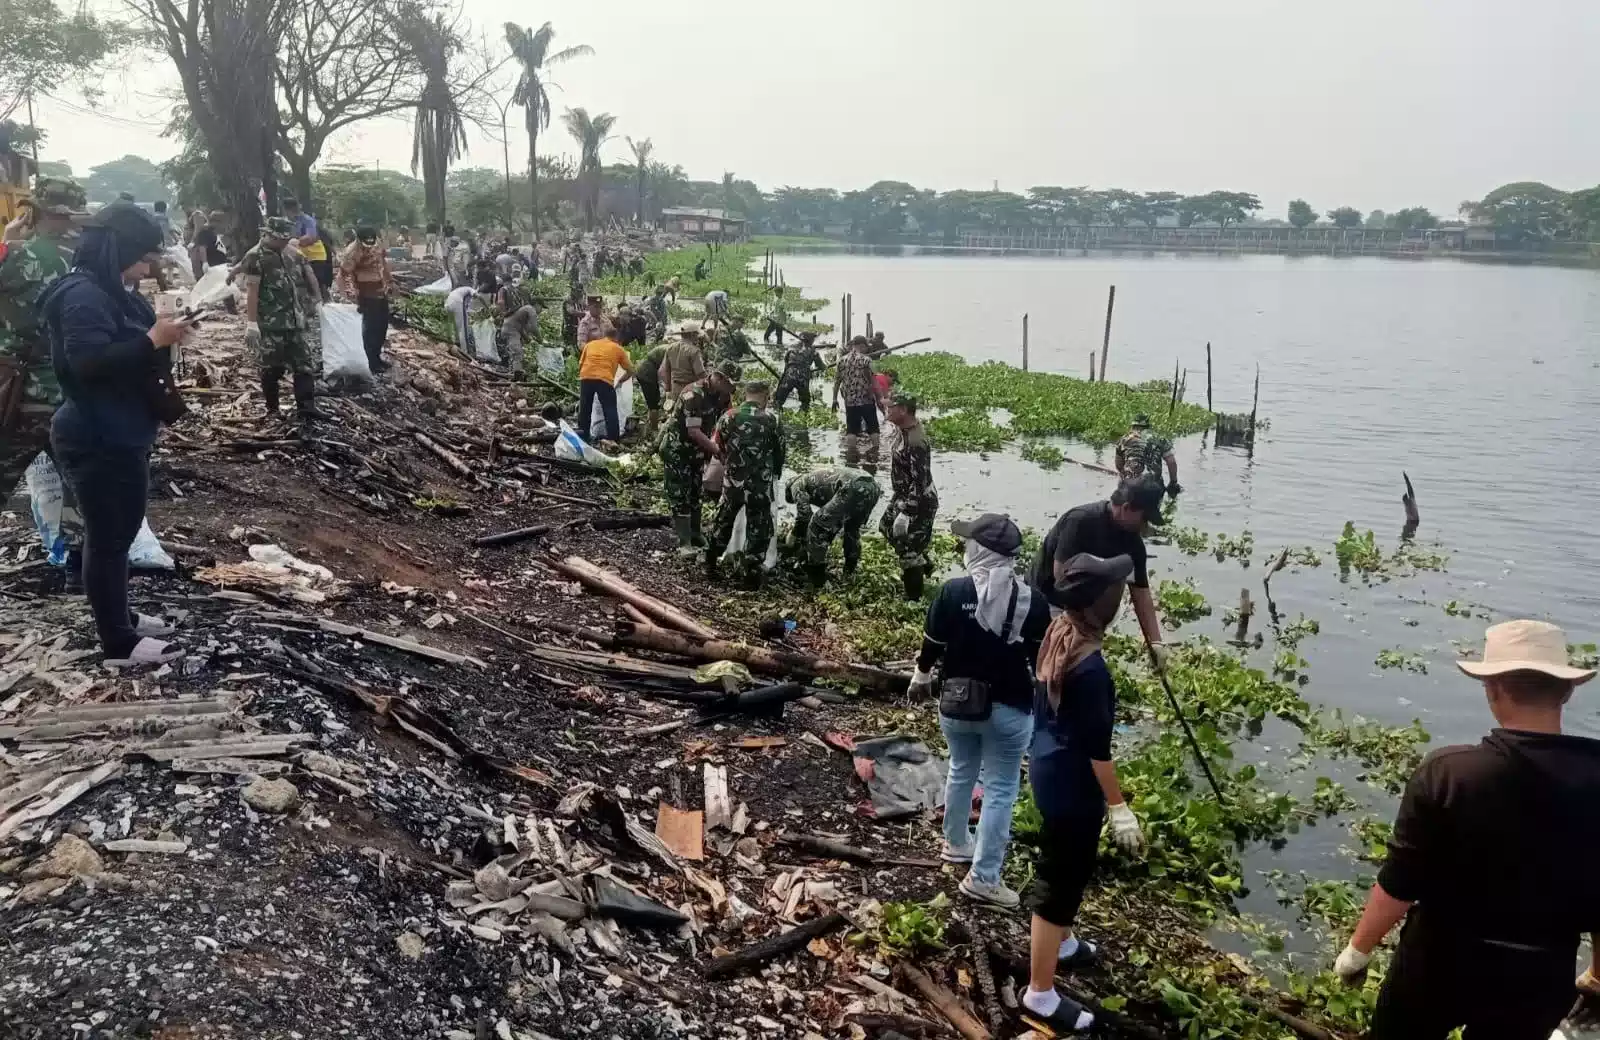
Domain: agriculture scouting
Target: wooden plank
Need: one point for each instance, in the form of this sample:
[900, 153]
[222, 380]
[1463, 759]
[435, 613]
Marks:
[719, 810]
[682, 831]
[168, 848]
[250, 747]
[410, 646]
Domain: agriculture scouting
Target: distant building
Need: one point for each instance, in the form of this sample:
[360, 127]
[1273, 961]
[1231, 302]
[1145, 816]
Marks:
[705, 224]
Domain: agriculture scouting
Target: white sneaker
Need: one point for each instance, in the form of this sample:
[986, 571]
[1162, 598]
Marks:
[152, 627]
[996, 894]
[955, 853]
[147, 651]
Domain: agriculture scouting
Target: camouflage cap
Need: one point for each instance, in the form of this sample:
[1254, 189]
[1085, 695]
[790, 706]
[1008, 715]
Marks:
[757, 386]
[729, 370]
[903, 400]
[1141, 421]
[60, 196]
[280, 226]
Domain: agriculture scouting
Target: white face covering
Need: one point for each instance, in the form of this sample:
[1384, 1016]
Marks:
[994, 576]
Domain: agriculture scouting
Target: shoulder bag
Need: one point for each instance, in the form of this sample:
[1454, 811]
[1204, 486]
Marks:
[970, 700]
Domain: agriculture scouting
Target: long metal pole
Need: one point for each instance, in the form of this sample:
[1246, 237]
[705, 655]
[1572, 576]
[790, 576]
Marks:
[1105, 344]
[1199, 756]
[505, 144]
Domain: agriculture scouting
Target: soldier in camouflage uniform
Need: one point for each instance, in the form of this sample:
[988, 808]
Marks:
[842, 499]
[26, 267]
[733, 344]
[908, 522]
[800, 362]
[686, 445]
[278, 288]
[750, 441]
[1142, 452]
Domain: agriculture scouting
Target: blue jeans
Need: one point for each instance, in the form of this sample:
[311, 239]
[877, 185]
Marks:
[997, 745]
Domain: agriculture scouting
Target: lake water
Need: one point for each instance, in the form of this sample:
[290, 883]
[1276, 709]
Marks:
[1479, 381]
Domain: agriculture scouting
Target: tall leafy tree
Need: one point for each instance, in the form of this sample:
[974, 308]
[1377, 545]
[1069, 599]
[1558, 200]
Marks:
[1524, 209]
[641, 150]
[1413, 218]
[591, 133]
[1152, 206]
[131, 173]
[439, 131]
[1301, 214]
[1345, 217]
[43, 48]
[531, 49]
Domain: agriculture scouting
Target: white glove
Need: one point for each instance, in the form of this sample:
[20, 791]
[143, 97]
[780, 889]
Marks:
[921, 683]
[252, 335]
[902, 524]
[1162, 654]
[1125, 830]
[1351, 965]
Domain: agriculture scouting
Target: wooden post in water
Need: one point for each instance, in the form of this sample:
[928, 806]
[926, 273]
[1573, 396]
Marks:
[1173, 404]
[869, 324]
[1105, 344]
[1091, 366]
[1255, 399]
[1208, 378]
[1183, 385]
[1024, 342]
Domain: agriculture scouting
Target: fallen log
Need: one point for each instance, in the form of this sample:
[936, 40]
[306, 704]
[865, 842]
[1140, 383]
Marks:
[985, 975]
[521, 534]
[581, 570]
[882, 1025]
[629, 522]
[839, 850]
[945, 1002]
[772, 662]
[444, 455]
[774, 946]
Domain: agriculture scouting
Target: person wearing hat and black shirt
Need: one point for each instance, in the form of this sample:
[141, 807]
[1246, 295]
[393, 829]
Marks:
[1074, 778]
[1106, 529]
[1492, 862]
[105, 342]
[986, 627]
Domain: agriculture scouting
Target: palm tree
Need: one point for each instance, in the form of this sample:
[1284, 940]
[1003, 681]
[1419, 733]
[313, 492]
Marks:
[641, 156]
[531, 48]
[590, 132]
[439, 134]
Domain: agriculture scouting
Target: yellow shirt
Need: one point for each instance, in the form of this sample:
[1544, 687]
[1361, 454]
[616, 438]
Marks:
[601, 359]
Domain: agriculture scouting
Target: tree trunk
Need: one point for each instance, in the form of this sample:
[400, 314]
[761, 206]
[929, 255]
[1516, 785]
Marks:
[533, 176]
[299, 182]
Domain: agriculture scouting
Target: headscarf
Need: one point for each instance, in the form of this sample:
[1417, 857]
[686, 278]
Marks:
[120, 236]
[994, 576]
[1073, 636]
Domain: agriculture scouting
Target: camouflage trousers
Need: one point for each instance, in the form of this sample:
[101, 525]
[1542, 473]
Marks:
[756, 501]
[846, 511]
[911, 547]
[286, 349]
[18, 448]
[520, 326]
[859, 451]
[788, 384]
[682, 472]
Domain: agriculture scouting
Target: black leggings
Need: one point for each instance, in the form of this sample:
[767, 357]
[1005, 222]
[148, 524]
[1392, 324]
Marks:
[374, 326]
[860, 418]
[593, 389]
[112, 485]
[1068, 847]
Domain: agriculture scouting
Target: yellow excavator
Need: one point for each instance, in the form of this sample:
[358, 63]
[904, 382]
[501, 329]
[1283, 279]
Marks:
[16, 176]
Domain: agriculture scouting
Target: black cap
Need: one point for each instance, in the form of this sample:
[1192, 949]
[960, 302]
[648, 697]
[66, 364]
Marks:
[994, 531]
[1144, 494]
[1088, 577]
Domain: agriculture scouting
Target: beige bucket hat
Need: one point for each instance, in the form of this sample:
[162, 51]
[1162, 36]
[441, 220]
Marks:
[1525, 646]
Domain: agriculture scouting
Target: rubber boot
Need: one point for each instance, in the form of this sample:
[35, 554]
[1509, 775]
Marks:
[270, 378]
[911, 579]
[713, 557]
[696, 537]
[685, 533]
[817, 574]
[849, 452]
[305, 397]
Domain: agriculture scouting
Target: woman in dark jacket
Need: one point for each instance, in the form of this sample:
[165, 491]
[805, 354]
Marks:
[104, 340]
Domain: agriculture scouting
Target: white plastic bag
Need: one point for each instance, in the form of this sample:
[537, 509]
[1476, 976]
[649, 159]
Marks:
[212, 288]
[177, 259]
[573, 448]
[45, 495]
[344, 355]
[483, 341]
[552, 362]
[736, 542]
[441, 287]
[597, 414]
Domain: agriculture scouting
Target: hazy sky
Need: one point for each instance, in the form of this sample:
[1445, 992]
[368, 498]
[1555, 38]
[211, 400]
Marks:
[1370, 103]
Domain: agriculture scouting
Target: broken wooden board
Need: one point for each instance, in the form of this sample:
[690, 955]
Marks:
[80, 720]
[410, 646]
[682, 831]
[719, 809]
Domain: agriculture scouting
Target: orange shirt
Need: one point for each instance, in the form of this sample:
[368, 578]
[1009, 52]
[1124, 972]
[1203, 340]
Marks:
[601, 358]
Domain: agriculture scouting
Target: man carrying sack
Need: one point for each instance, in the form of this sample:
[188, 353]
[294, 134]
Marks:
[1492, 862]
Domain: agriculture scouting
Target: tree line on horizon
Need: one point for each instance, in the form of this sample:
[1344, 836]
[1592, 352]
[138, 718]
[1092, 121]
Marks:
[265, 84]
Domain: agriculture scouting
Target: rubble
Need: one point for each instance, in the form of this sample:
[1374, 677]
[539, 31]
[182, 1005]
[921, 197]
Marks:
[271, 796]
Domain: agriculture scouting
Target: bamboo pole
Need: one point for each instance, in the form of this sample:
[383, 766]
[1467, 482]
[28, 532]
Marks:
[1173, 404]
[1255, 399]
[946, 1003]
[1208, 378]
[1091, 366]
[1105, 342]
[1024, 342]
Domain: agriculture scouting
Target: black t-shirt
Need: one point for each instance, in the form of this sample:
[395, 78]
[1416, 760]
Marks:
[1066, 740]
[952, 631]
[1498, 841]
[1087, 529]
[206, 238]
